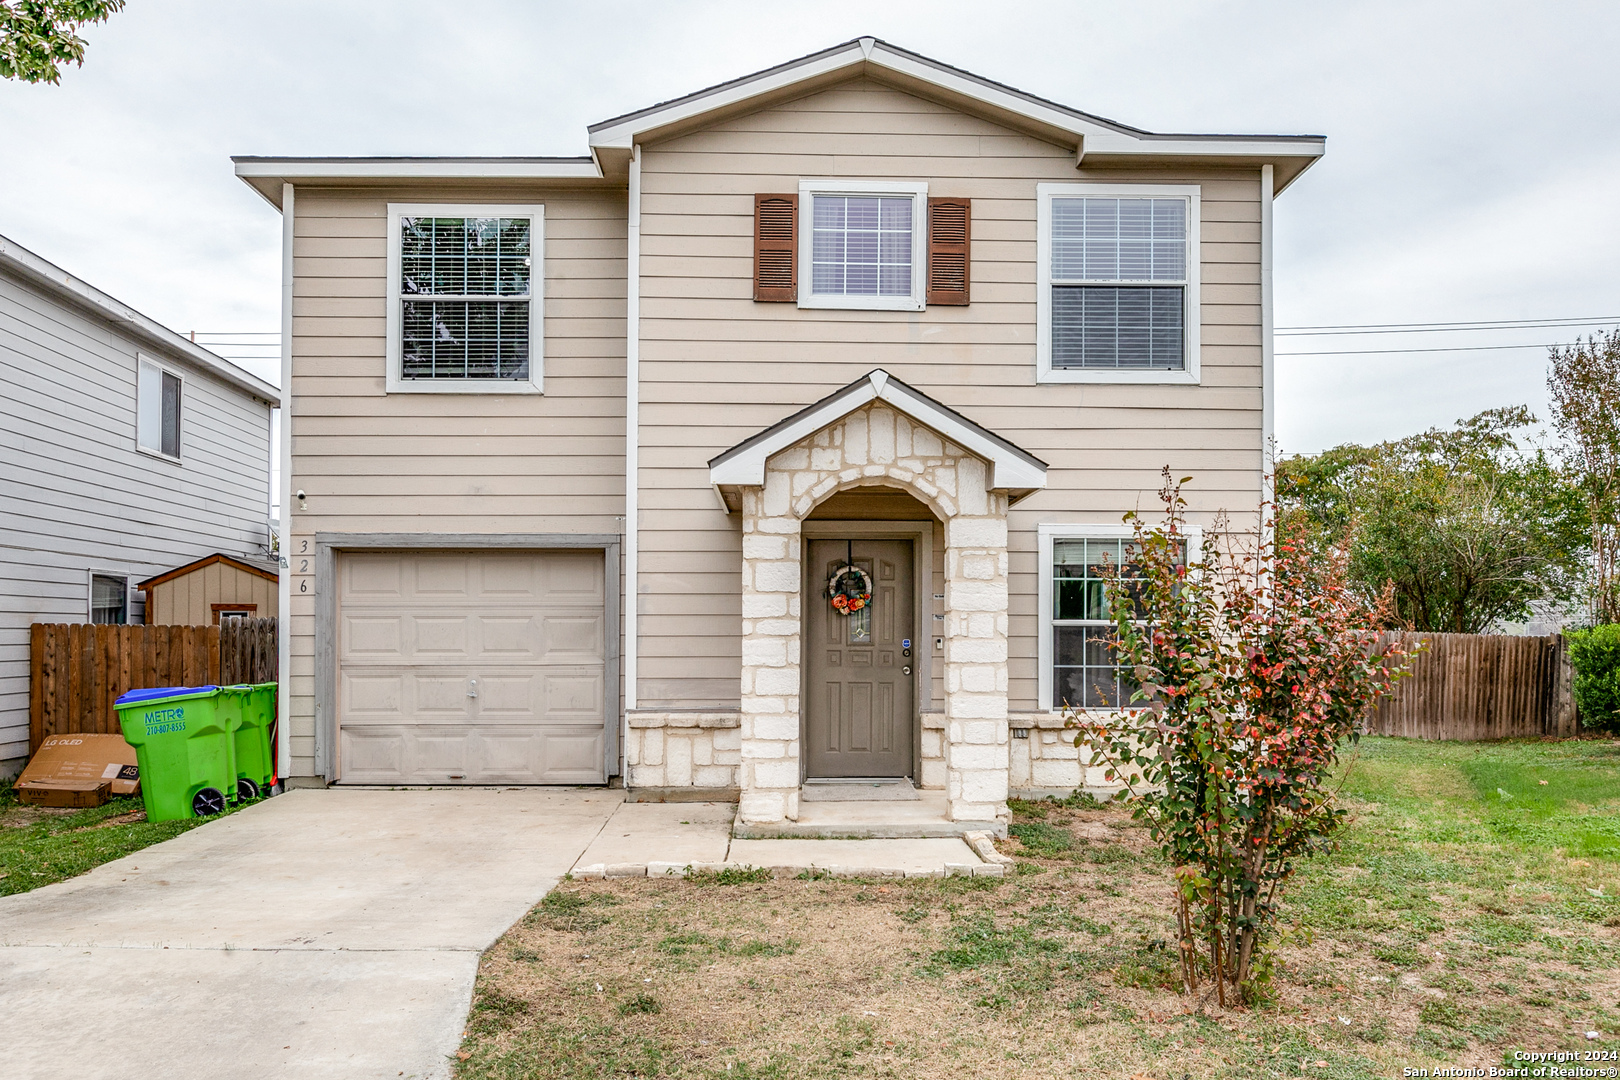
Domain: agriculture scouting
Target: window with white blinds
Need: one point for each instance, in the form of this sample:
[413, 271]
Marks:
[1118, 284]
[867, 244]
[463, 298]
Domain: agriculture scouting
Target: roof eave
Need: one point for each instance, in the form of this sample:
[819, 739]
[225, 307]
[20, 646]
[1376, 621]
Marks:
[1096, 139]
[266, 174]
[52, 279]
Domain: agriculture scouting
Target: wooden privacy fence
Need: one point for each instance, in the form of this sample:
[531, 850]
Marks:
[1481, 686]
[77, 670]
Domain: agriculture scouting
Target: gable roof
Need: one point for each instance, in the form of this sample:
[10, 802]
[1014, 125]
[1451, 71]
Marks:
[208, 560]
[19, 262]
[1012, 469]
[1095, 139]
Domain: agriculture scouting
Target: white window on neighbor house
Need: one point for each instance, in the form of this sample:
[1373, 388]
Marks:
[1077, 667]
[109, 599]
[1117, 292]
[465, 298]
[867, 245]
[158, 397]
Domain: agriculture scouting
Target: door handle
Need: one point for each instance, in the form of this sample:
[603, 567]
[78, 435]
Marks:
[906, 670]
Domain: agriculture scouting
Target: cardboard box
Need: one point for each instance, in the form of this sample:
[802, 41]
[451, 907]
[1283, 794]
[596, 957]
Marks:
[79, 771]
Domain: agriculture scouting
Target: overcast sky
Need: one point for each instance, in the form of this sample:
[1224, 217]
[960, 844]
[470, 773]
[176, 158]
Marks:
[1471, 172]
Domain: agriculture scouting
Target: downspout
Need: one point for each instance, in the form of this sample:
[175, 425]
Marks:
[284, 585]
[632, 448]
[1268, 362]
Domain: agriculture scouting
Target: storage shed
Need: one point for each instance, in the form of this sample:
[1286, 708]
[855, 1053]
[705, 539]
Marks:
[214, 587]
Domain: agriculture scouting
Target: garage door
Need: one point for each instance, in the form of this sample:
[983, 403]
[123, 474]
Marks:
[471, 667]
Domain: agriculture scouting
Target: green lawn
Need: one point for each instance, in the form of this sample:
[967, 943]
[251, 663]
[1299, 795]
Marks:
[40, 846]
[1470, 912]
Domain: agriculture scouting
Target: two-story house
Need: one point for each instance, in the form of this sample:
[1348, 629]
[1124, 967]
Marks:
[125, 450]
[778, 440]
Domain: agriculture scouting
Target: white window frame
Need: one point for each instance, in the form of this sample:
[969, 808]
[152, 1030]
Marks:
[1191, 317]
[1046, 533]
[144, 360]
[916, 192]
[396, 383]
[90, 595]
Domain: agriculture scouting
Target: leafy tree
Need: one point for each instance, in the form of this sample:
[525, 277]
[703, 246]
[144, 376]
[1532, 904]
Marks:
[38, 36]
[1254, 669]
[1585, 387]
[1468, 525]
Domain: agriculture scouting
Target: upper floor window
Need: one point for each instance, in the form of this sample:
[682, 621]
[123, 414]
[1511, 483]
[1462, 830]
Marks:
[158, 393]
[1118, 283]
[464, 298]
[867, 244]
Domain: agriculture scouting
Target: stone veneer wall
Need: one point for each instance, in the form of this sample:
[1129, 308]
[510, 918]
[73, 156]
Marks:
[680, 749]
[875, 445]
[1048, 762]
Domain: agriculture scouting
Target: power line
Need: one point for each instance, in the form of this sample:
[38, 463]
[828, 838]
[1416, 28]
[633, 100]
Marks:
[1446, 329]
[1457, 348]
[1474, 324]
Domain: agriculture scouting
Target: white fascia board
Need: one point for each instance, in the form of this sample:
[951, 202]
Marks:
[623, 135]
[307, 169]
[175, 347]
[990, 95]
[1007, 470]
[748, 469]
[1103, 144]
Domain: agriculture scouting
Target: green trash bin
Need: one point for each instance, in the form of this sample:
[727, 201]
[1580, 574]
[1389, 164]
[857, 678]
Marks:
[252, 716]
[184, 747]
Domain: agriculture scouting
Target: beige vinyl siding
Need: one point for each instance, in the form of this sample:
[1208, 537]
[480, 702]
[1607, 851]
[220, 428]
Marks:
[188, 600]
[717, 367]
[371, 462]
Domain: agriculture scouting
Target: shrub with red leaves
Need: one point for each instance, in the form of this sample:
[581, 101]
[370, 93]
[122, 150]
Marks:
[1251, 669]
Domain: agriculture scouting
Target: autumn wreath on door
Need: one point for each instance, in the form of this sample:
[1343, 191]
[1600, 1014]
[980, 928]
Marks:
[850, 588]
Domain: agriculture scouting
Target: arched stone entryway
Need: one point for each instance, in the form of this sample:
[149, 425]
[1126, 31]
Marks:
[875, 444]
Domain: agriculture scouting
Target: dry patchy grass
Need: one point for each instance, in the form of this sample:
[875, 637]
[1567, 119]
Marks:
[1436, 936]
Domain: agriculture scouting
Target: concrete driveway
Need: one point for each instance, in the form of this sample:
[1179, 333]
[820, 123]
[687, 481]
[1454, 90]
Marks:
[318, 934]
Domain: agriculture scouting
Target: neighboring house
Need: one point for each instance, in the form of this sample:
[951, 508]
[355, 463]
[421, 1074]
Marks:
[859, 306]
[211, 590]
[125, 449]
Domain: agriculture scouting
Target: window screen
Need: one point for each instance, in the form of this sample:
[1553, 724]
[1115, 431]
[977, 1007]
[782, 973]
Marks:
[861, 245]
[109, 600]
[1119, 283]
[465, 286]
[158, 395]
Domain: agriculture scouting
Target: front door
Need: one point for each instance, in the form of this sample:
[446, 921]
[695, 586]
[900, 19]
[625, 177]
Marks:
[860, 692]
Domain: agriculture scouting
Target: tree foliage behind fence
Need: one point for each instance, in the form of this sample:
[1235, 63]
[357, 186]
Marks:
[1481, 686]
[77, 670]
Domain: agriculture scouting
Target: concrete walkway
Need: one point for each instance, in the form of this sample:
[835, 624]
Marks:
[659, 839]
[318, 934]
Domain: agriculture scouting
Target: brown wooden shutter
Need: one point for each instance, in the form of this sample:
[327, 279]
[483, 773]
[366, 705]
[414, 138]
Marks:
[776, 251]
[949, 233]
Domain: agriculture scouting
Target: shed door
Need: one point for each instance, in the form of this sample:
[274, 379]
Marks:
[471, 667]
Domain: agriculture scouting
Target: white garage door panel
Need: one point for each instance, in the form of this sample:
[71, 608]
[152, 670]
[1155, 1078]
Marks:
[463, 754]
[471, 667]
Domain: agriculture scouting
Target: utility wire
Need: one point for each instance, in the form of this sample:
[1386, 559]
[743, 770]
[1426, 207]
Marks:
[1457, 348]
[1481, 324]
